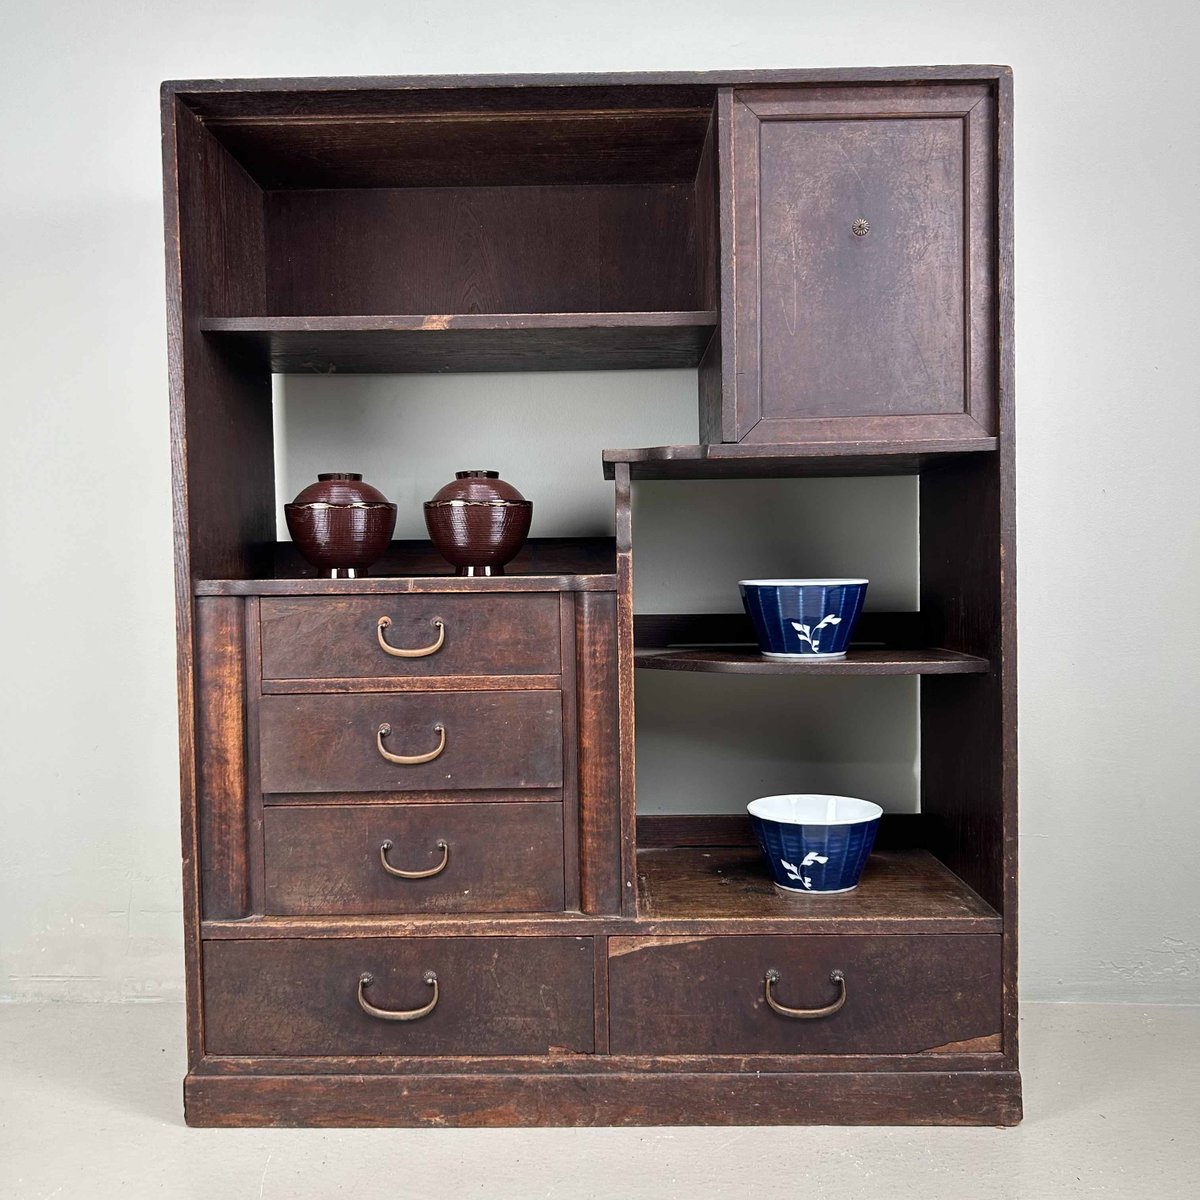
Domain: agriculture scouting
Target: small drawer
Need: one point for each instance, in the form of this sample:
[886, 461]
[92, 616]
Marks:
[413, 858]
[450, 740]
[341, 637]
[493, 995]
[900, 995]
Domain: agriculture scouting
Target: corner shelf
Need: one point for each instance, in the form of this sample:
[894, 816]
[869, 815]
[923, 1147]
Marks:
[735, 660]
[413, 343]
[743, 460]
[724, 644]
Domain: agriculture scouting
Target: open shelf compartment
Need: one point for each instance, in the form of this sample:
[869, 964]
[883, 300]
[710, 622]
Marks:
[907, 889]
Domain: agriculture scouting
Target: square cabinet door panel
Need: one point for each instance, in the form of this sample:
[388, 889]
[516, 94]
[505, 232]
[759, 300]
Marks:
[863, 270]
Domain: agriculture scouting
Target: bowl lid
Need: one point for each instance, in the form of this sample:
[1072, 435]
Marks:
[478, 487]
[340, 487]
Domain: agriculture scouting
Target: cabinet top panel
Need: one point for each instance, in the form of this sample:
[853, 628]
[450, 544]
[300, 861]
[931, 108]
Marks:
[485, 130]
[290, 96]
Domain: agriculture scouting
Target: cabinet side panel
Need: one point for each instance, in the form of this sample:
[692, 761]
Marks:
[224, 472]
[221, 755]
[599, 799]
[962, 742]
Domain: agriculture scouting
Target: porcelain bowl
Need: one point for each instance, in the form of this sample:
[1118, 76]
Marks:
[815, 844]
[803, 618]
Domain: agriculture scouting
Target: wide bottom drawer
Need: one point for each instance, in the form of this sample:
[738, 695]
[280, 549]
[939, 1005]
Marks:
[895, 994]
[407, 858]
[397, 996]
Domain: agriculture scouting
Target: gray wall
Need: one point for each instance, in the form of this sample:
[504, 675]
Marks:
[1107, 483]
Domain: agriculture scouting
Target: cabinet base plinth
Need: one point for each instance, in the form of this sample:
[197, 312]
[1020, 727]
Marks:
[801, 1098]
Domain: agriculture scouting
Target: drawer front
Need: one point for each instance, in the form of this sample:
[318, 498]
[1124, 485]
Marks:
[904, 994]
[329, 860]
[334, 743]
[495, 995]
[338, 637]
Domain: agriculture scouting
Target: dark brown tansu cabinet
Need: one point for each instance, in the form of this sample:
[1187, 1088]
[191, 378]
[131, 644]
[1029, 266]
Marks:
[416, 889]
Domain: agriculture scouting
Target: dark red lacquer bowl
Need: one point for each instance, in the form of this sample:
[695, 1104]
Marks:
[478, 523]
[341, 525]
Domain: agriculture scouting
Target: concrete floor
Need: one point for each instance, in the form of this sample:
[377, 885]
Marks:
[90, 1107]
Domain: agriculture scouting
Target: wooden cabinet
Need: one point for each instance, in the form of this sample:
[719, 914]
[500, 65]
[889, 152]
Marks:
[417, 887]
[864, 272]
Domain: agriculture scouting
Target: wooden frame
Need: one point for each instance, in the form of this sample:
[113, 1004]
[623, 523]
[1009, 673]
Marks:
[238, 155]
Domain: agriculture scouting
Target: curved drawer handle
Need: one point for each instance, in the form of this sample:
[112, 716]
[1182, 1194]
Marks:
[396, 1014]
[409, 760]
[805, 1014]
[387, 866]
[421, 651]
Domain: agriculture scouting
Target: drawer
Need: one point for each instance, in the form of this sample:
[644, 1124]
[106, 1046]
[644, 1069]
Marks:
[339, 637]
[706, 995]
[337, 743]
[323, 859]
[494, 995]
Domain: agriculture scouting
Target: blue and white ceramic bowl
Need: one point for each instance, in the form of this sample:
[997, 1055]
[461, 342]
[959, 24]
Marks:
[816, 844]
[803, 618]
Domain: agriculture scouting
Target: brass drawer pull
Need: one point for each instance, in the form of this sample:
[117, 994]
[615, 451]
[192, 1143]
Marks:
[388, 1014]
[409, 760]
[806, 1014]
[421, 651]
[387, 866]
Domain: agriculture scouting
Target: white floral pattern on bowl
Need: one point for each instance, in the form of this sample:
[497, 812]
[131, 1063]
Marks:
[795, 872]
[806, 633]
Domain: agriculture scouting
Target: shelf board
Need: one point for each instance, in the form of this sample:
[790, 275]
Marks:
[411, 343]
[794, 460]
[387, 585]
[746, 660]
[901, 890]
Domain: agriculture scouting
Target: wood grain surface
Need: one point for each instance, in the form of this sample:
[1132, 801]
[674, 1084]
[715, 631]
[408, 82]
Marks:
[337, 637]
[697, 995]
[325, 858]
[496, 996]
[328, 743]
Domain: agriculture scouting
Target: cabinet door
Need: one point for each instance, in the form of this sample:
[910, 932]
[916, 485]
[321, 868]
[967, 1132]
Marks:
[864, 269]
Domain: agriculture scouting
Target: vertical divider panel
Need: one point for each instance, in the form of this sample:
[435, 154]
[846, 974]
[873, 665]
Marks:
[624, 687]
[255, 842]
[570, 725]
[599, 769]
[221, 754]
[600, 992]
[714, 187]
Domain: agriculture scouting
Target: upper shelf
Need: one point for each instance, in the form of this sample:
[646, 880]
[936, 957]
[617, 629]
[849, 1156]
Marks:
[416, 343]
[741, 460]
